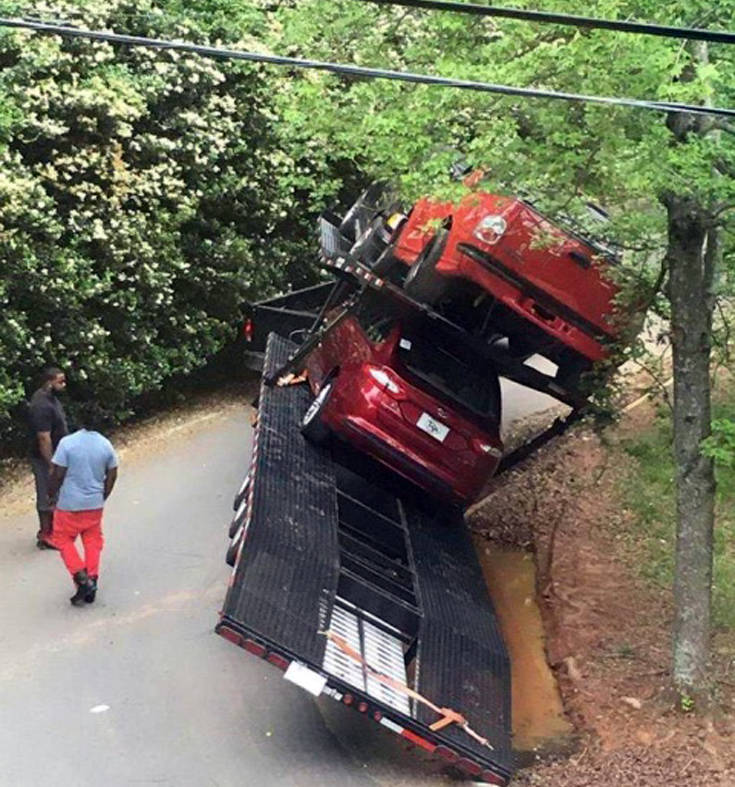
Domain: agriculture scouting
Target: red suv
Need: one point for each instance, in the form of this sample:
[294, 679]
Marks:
[419, 405]
[548, 286]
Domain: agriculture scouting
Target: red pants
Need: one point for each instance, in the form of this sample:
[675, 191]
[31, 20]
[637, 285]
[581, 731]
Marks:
[87, 524]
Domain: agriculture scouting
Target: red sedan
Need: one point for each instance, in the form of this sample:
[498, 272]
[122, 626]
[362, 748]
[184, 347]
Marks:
[411, 400]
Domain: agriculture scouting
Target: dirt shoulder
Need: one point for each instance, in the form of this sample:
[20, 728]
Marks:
[608, 631]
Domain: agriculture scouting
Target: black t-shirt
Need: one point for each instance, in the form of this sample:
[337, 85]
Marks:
[45, 414]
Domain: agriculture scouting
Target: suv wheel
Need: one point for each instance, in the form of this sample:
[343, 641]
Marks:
[422, 281]
[312, 425]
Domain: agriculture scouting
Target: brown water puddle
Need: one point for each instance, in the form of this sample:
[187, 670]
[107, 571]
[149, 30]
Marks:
[538, 715]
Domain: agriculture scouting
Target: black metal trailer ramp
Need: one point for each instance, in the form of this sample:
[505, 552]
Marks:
[360, 594]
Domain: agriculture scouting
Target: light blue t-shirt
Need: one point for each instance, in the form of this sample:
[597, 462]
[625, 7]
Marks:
[86, 456]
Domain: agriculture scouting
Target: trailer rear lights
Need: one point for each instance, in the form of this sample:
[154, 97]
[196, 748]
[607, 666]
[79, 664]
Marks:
[447, 754]
[470, 767]
[362, 707]
[493, 778]
[247, 330]
[253, 647]
[377, 715]
[230, 635]
[278, 661]
[348, 699]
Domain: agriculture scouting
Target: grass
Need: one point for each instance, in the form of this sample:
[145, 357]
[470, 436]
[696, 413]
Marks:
[649, 494]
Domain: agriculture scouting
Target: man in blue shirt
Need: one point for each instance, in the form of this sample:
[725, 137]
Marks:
[83, 473]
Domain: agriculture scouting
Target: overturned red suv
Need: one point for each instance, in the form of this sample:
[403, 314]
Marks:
[418, 404]
[504, 266]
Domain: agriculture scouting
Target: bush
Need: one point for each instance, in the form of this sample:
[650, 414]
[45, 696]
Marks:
[143, 196]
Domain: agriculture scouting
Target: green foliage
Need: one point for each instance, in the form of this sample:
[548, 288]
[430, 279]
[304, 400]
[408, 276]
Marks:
[143, 196]
[561, 154]
[649, 492]
[721, 444]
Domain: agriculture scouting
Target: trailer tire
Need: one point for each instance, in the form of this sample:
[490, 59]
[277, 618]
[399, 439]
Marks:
[232, 550]
[422, 281]
[312, 425]
[242, 491]
[235, 525]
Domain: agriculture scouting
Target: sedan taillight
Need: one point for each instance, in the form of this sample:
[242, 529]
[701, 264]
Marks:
[385, 380]
[485, 447]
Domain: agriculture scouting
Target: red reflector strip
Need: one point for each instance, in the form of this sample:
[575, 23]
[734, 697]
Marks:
[493, 778]
[278, 661]
[469, 766]
[229, 634]
[419, 741]
[253, 647]
[446, 753]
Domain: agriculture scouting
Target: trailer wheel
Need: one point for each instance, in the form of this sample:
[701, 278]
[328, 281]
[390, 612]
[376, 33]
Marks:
[241, 492]
[312, 425]
[422, 281]
[236, 522]
[232, 550]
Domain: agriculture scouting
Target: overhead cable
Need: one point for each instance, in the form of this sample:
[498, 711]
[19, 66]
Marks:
[666, 31]
[357, 71]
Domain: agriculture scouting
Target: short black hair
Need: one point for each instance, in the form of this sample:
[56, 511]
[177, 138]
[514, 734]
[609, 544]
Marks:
[48, 373]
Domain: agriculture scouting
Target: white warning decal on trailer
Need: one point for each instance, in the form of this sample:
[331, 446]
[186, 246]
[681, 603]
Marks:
[306, 678]
[391, 725]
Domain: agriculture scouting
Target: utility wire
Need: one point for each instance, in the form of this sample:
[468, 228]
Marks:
[358, 71]
[665, 31]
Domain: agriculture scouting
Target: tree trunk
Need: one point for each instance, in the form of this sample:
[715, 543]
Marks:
[692, 253]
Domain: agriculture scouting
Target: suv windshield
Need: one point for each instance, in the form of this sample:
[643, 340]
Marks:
[436, 362]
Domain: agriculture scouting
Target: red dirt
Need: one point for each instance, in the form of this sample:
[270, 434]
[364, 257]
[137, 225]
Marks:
[608, 632]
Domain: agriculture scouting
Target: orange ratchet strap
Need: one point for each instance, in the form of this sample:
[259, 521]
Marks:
[448, 716]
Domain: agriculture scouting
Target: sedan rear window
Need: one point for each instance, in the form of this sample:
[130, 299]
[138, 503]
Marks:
[436, 362]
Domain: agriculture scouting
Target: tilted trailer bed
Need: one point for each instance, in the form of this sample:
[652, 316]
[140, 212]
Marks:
[360, 593]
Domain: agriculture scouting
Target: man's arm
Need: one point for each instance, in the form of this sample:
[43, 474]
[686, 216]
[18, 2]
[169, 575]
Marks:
[44, 446]
[56, 479]
[110, 478]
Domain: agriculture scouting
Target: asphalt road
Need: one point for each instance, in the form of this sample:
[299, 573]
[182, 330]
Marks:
[137, 689]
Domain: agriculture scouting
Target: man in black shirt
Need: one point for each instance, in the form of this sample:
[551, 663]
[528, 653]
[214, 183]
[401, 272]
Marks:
[47, 425]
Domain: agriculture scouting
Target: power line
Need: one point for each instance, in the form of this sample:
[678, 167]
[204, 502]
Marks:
[666, 31]
[358, 71]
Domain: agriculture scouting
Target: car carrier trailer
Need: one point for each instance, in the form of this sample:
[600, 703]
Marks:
[343, 580]
[353, 582]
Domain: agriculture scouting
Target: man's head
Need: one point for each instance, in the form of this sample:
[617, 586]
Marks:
[53, 379]
[87, 415]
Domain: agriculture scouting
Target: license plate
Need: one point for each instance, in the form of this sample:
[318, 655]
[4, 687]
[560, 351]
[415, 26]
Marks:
[433, 427]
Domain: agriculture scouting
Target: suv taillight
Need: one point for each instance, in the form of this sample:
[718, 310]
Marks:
[491, 229]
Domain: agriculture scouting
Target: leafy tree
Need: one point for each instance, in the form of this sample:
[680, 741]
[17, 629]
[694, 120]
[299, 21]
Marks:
[143, 196]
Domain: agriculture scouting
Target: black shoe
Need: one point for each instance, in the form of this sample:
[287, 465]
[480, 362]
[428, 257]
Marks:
[41, 544]
[85, 586]
[89, 598]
